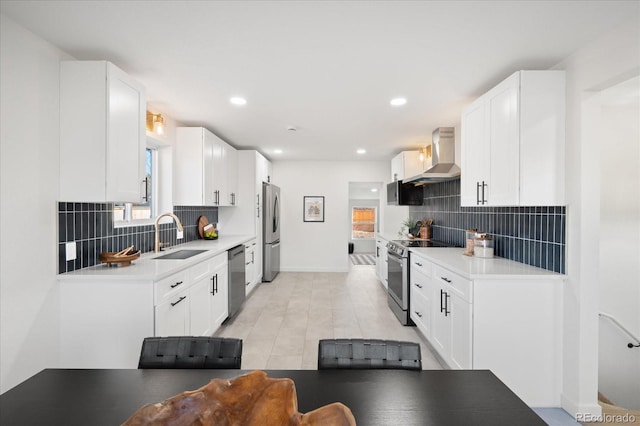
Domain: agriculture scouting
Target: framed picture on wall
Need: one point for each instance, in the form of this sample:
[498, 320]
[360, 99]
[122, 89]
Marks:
[313, 208]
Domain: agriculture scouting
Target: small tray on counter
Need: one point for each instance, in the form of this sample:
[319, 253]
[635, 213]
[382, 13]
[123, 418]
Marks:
[120, 258]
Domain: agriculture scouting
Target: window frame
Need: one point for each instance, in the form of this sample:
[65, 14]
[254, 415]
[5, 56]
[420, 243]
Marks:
[128, 206]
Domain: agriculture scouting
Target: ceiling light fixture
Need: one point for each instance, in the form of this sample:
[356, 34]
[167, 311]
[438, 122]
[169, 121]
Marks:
[398, 101]
[155, 123]
[374, 189]
[238, 100]
[361, 151]
[277, 151]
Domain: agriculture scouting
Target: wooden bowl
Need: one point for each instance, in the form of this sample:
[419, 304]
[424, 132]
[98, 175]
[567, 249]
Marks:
[110, 258]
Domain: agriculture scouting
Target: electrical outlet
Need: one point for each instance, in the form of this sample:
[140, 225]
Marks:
[179, 234]
[70, 249]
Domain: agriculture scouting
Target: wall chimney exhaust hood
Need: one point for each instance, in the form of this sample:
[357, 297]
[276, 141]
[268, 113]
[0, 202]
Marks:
[443, 154]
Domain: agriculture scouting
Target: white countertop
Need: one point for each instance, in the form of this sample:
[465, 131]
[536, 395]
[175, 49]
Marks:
[147, 268]
[478, 268]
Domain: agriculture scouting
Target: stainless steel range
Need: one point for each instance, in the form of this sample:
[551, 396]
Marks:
[398, 275]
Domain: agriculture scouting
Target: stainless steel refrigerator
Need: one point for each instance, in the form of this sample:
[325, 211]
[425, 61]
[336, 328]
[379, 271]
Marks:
[270, 231]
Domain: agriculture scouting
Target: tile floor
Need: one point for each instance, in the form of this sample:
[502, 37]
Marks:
[282, 321]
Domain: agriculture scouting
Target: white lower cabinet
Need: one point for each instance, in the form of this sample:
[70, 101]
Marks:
[251, 266]
[509, 325]
[171, 316]
[104, 320]
[381, 261]
[421, 295]
[452, 317]
[219, 295]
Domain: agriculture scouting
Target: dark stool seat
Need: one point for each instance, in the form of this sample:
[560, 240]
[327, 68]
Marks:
[368, 354]
[190, 352]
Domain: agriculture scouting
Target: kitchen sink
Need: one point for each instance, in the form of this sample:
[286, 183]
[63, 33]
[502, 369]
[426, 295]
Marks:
[180, 254]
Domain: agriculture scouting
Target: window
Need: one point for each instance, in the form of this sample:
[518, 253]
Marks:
[363, 222]
[135, 213]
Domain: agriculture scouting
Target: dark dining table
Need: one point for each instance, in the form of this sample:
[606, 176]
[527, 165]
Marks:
[376, 397]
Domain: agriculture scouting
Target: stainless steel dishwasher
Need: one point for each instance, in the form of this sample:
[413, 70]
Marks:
[236, 279]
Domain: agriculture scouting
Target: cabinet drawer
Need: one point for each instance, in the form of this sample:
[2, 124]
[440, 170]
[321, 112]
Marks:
[200, 270]
[170, 285]
[461, 286]
[219, 260]
[250, 245]
[420, 264]
[419, 281]
[421, 312]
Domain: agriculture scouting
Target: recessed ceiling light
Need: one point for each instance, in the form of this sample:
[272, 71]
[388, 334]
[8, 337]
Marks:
[374, 189]
[398, 101]
[238, 101]
[361, 151]
[277, 151]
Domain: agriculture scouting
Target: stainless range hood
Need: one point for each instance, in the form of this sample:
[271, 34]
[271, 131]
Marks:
[443, 154]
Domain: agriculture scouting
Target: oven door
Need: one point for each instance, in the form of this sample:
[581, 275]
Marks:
[397, 276]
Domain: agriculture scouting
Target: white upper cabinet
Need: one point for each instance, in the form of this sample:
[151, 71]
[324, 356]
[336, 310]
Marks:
[205, 169]
[405, 165]
[513, 143]
[102, 133]
[232, 176]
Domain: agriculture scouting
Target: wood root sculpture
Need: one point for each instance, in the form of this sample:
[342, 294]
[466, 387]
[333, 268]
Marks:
[250, 399]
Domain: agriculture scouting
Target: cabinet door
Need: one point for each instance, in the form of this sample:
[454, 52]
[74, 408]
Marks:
[250, 265]
[218, 294]
[171, 316]
[475, 159]
[102, 133]
[125, 153]
[378, 260]
[397, 169]
[461, 327]
[412, 165]
[208, 165]
[218, 171]
[200, 308]
[232, 175]
[384, 269]
[441, 330]
[504, 137]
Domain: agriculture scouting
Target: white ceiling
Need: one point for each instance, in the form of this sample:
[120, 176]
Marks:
[328, 68]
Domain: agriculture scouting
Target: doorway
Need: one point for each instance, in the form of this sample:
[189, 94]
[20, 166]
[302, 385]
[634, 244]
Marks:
[617, 125]
[364, 222]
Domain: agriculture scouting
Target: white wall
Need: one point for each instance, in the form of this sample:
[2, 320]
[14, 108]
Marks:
[29, 123]
[321, 246]
[610, 59]
[619, 366]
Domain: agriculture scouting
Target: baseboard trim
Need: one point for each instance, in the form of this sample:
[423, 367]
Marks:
[574, 408]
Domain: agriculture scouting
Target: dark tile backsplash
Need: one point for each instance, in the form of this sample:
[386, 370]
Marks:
[90, 225]
[531, 235]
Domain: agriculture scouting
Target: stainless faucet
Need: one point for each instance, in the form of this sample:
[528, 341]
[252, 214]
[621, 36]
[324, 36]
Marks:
[178, 224]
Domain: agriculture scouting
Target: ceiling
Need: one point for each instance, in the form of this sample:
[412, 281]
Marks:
[327, 68]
